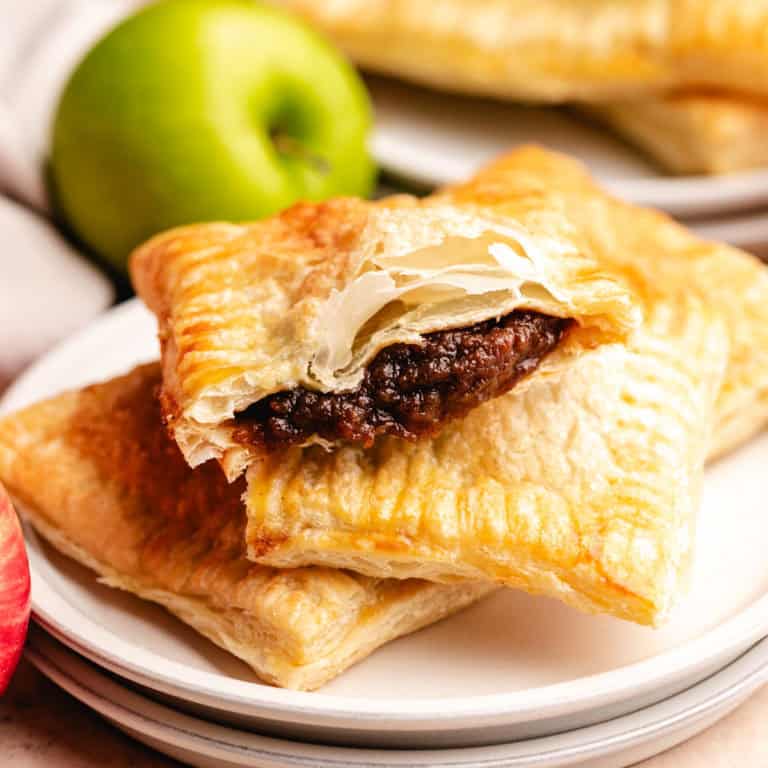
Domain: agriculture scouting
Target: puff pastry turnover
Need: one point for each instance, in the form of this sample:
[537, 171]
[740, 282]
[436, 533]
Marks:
[694, 131]
[342, 321]
[553, 50]
[582, 485]
[100, 479]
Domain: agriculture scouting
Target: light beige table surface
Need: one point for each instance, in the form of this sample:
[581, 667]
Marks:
[42, 727]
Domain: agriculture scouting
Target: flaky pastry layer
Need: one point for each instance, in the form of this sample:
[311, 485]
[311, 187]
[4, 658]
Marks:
[308, 298]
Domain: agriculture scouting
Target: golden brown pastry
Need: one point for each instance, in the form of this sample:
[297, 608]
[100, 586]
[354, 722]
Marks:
[665, 75]
[553, 50]
[583, 484]
[694, 132]
[344, 321]
[99, 478]
[662, 260]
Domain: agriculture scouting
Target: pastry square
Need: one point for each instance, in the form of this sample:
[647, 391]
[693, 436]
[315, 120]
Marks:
[346, 321]
[694, 131]
[667, 76]
[582, 485]
[100, 479]
[552, 50]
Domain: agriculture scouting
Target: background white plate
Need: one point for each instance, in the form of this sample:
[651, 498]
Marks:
[432, 138]
[745, 230]
[616, 743]
[511, 667]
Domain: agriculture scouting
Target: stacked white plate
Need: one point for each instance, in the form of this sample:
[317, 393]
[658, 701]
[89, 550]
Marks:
[513, 681]
[426, 139]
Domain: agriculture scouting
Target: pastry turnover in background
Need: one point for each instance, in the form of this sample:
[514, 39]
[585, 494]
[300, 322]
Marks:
[692, 132]
[685, 80]
[579, 481]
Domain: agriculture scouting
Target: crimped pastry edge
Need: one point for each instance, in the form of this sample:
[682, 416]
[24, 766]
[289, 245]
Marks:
[396, 617]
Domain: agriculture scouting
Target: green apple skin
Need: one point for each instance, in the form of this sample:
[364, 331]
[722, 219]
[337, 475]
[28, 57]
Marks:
[201, 110]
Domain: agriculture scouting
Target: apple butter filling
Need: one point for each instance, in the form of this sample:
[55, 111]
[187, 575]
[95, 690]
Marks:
[409, 390]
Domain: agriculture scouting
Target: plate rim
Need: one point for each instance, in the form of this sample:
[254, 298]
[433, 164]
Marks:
[730, 685]
[684, 195]
[722, 195]
[317, 708]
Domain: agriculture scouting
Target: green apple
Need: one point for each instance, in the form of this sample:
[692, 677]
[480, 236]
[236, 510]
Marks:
[198, 110]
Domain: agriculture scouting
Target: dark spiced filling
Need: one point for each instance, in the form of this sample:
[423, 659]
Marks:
[409, 390]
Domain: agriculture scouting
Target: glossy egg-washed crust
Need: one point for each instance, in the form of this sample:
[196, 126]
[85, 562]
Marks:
[694, 131]
[583, 485]
[98, 477]
[553, 50]
[247, 310]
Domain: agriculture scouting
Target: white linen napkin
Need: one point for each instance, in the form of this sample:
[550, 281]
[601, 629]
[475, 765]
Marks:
[47, 290]
[40, 43]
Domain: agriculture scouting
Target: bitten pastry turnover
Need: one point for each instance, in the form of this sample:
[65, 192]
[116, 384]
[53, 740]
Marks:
[99, 478]
[347, 321]
[583, 484]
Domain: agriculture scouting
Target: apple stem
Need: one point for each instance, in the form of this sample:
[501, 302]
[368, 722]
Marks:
[287, 145]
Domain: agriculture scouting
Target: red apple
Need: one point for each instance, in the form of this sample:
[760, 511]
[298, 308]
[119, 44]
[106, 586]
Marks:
[14, 590]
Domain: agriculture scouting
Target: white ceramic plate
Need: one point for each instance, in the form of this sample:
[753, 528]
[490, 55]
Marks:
[431, 139]
[745, 230]
[619, 742]
[513, 666]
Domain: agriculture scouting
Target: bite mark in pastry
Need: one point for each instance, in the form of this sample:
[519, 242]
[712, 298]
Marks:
[410, 390]
[297, 330]
[100, 479]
